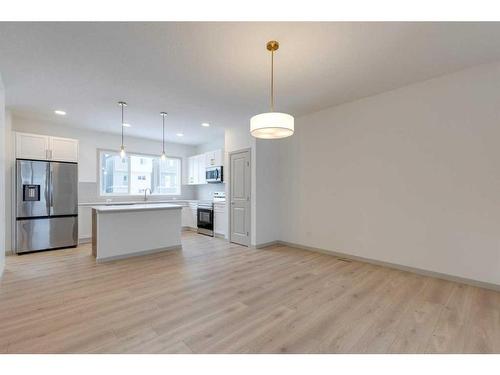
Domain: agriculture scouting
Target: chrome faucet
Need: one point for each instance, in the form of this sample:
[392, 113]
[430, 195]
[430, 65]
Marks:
[145, 191]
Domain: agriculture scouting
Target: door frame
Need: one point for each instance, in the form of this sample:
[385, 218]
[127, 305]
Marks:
[249, 149]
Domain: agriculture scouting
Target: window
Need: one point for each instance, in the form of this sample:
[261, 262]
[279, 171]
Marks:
[136, 173]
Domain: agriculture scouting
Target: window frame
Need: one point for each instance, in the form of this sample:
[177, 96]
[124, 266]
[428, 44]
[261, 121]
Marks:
[101, 151]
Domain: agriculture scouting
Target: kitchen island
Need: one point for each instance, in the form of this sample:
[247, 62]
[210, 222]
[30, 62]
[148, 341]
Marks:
[127, 230]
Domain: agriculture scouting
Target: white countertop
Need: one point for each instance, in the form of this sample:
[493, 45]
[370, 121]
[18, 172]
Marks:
[112, 203]
[136, 207]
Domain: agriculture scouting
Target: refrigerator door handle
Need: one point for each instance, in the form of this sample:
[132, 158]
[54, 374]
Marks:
[51, 189]
[48, 197]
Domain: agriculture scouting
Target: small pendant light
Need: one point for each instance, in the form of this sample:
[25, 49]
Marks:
[272, 125]
[122, 148]
[163, 156]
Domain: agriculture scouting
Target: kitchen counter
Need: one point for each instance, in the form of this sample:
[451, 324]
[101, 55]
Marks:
[136, 207]
[114, 203]
[123, 231]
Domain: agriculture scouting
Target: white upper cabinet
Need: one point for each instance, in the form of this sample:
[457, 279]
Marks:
[63, 149]
[198, 164]
[202, 169]
[193, 170]
[213, 158]
[43, 147]
[32, 146]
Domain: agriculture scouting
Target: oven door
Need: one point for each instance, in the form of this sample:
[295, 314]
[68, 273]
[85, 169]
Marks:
[205, 220]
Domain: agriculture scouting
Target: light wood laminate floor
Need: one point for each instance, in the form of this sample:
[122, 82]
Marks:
[216, 297]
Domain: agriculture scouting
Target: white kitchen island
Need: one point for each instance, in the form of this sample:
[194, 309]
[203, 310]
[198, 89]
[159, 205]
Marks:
[122, 231]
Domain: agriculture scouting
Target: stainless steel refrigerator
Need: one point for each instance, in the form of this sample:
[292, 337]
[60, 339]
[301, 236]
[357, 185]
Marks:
[46, 205]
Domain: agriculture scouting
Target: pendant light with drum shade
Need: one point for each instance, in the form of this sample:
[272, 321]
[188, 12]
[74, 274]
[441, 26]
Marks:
[163, 156]
[122, 148]
[272, 125]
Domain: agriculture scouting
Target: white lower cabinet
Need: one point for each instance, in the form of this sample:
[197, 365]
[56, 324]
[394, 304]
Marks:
[84, 223]
[220, 219]
[189, 214]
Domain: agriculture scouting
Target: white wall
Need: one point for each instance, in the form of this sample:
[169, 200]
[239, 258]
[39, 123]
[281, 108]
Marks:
[411, 176]
[9, 173]
[3, 197]
[268, 191]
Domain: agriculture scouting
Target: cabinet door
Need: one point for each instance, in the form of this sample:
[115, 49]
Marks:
[193, 207]
[32, 146]
[191, 170]
[220, 219]
[202, 169]
[186, 218]
[207, 159]
[63, 149]
[210, 159]
[218, 158]
[85, 222]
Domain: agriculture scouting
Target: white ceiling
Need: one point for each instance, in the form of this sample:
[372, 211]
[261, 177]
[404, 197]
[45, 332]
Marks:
[219, 72]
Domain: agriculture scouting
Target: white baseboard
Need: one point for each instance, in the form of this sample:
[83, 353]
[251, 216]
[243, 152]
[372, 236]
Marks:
[83, 240]
[139, 253]
[419, 271]
[266, 244]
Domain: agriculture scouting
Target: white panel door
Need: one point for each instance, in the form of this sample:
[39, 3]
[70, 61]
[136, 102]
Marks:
[63, 149]
[240, 197]
[32, 146]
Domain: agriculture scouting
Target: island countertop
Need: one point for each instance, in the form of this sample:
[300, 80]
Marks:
[135, 207]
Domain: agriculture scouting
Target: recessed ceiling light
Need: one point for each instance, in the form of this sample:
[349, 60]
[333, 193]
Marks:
[180, 135]
[59, 112]
[205, 124]
[126, 125]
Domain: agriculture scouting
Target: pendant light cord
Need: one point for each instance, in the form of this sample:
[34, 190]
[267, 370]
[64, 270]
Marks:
[121, 105]
[163, 135]
[272, 81]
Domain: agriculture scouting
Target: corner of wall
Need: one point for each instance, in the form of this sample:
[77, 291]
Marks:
[3, 176]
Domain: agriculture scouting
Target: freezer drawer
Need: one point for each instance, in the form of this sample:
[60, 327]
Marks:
[47, 233]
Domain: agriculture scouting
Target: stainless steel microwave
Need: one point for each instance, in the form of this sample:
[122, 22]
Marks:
[214, 174]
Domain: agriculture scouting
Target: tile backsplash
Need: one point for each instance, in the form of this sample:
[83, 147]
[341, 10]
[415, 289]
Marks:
[88, 193]
[206, 192]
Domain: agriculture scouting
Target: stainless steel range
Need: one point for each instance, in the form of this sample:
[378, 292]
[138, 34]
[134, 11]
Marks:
[46, 205]
[205, 218]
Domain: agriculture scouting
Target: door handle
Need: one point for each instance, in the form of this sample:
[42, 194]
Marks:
[51, 194]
